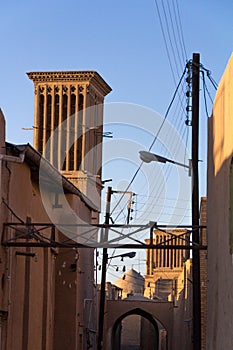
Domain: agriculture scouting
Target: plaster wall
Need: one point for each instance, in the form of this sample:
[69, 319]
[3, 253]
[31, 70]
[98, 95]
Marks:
[182, 322]
[45, 301]
[220, 263]
[27, 284]
[161, 311]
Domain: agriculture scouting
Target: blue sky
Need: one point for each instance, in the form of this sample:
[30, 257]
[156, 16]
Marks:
[121, 40]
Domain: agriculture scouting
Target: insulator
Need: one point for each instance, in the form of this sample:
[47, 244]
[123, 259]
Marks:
[188, 65]
[188, 122]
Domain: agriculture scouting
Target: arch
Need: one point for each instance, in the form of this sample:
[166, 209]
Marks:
[117, 327]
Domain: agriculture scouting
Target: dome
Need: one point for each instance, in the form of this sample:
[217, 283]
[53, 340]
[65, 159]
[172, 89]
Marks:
[132, 283]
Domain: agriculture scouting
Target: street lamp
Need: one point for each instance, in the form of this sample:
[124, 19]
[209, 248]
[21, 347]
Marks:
[102, 291]
[125, 255]
[148, 157]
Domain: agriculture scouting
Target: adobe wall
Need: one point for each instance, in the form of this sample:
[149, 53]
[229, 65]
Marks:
[162, 311]
[33, 287]
[220, 263]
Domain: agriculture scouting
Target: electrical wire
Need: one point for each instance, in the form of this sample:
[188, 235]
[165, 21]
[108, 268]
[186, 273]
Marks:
[170, 199]
[168, 110]
[170, 39]
[180, 35]
[215, 85]
[152, 144]
[12, 212]
[173, 56]
[180, 29]
[164, 38]
[204, 90]
[174, 34]
[208, 73]
[114, 249]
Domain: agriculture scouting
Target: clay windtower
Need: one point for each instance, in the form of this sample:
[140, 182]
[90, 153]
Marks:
[166, 268]
[68, 119]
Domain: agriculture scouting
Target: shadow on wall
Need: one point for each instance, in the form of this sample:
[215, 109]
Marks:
[220, 252]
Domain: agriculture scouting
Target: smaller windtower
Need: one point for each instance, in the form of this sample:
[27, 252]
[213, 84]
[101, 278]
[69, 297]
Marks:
[167, 270]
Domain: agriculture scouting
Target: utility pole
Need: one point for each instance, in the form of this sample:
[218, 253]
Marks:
[195, 203]
[103, 275]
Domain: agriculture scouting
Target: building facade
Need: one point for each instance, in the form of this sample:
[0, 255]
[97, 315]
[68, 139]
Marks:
[47, 293]
[220, 216]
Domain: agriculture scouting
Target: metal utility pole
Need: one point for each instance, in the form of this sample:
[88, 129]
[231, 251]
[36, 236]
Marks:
[103, 275]
[195, 202]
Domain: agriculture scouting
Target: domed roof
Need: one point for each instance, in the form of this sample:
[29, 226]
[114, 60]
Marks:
[131, 282]
[134, 274]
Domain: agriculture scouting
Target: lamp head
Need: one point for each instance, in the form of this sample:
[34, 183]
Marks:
[128, 255]
[131, 254]
[148, 157]
[145, 156]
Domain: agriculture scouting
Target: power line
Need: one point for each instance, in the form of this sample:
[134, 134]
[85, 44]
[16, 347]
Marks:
[164, 38]
[169, 37]
[179, 27]
[152, 144]
[174, 35]
[204, 91]
[208, 73]
[180, 35]
[170, 199]
[12, 212]
[168, 110]
[168, 206]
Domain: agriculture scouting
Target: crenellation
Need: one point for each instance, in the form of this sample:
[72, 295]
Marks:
[71, 76]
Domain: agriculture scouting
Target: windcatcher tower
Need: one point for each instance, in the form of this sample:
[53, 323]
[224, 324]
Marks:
[68, 124]
[166, 268]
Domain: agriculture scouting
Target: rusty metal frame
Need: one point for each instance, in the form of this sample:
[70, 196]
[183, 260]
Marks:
[31, 235]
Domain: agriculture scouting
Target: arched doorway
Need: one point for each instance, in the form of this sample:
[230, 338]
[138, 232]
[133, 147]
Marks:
[135, 330]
